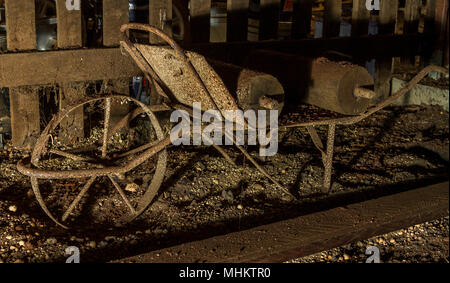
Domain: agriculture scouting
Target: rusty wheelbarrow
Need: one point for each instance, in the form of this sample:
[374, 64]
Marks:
[181, 78]
[70, 172]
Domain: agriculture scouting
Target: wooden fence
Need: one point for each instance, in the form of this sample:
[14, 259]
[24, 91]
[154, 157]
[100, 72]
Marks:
[24, 70]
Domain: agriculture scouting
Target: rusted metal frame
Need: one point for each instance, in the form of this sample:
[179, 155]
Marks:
[122, 194]
[106, 126]
[328, 162]
[316, 140]
[26, 168]
[40, 149]
[78, 198]
[327, 156]
[182, 56]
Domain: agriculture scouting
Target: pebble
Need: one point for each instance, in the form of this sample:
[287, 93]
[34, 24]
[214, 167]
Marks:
[346, 257]
[133, 187]
[92, 244]
[21, 243]
[8, 237]
[240, 207]
[51, 241]
[12, 208]
[215, 182]
[147, 178]
[148, 231]
[227, 195]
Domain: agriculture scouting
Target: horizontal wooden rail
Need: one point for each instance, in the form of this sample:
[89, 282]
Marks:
[312, 233]
[40, 68]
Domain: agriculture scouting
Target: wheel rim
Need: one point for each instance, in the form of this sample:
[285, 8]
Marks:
[134, 202]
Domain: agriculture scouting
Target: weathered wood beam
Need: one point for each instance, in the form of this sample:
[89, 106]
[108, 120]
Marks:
[69, 31]
[115, 14]
[24, 101]
[332, 18]
[268, 20]
[360, 18]
[40, 68]
[70, 34]
[237, 20]
[200, 11]
[383, 67]
[301, 18]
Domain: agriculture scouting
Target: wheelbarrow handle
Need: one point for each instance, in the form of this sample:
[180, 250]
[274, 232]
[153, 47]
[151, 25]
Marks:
[165, 37]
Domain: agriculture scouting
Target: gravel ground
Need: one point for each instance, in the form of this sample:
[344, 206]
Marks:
[202, 195]
[423, 243]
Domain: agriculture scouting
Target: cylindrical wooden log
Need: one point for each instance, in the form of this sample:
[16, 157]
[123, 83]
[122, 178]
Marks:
[337, 86]
[251, 89]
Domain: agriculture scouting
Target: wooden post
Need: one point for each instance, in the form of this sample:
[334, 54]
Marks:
[436, 20]
[237, 20]
[69, 31]
[301, 18]
[115, 14]
[200, 11]
[70, 34]
[268, 20]
[360, 18]
[411, 23]
[384, 67]
[24, 101]
[332, 18]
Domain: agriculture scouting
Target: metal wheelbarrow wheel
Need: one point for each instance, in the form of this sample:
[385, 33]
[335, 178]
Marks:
[96, 181]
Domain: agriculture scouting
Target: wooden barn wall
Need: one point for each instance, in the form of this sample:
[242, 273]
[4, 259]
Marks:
[72, 64]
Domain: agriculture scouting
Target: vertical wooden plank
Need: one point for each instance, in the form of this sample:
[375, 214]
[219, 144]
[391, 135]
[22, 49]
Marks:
[70, 34]
[24, 101]
[237, 20]
[72, 127]
[25, 118]
[268, 20]
[20, 25]
[332, 18]
[118, 110]
[115, 14]
[69, 30]
[411, 23]
[384, 67]
[435, 24]
[360, 18]
[160, 15]
[301, 18]
[200, 12]
[387, 17]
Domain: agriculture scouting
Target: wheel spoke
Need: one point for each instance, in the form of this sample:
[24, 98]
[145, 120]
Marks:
[71, 156]
[78, 198]
[122, 194]
[138, 149]
[107, 121]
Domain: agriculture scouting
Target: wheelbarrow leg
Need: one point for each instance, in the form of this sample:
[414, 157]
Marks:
[328, 158]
